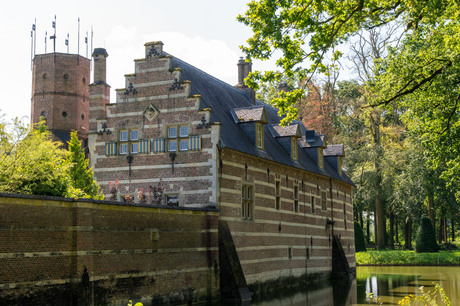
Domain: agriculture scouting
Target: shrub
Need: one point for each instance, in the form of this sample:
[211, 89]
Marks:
[426, 237]
[360, 245]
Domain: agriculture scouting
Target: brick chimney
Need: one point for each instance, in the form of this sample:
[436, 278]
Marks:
[244, 68]
[100, 67]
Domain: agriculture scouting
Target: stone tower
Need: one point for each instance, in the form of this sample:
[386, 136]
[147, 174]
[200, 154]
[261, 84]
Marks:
[60, 94]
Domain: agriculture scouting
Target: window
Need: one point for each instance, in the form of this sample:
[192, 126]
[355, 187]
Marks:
[320, 158]
[172, 200]
[277, 195]
[259, 135]
[247, 202]
[184, 131]
[134, 135]
[294, 148]
[323, 200]
[124, 148]
[313, 210]
[135, 148]
[184, 144]
[172, 132]
[172, 145]
[296, 198]
[124, 136]
[180, 142]
[130, 144]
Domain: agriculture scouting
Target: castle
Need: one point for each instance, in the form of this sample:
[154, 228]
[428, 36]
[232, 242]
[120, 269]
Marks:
[282, 197]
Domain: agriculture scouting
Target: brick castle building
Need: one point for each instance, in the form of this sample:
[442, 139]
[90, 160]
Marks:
[177, 136]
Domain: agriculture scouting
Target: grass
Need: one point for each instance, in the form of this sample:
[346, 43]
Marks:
[407, 258]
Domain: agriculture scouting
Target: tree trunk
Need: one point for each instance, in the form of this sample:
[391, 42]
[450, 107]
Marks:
[444, 234]
[379, 201]
[379, 223]
[408, 234]
[368, 229]
[396, 231]
[430, 207]
[392, 241]
[361, 220]
[453, 230]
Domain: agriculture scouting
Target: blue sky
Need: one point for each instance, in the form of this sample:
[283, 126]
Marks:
[204, 33]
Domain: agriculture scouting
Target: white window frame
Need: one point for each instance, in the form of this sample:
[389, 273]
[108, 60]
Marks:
[186, 131]
[123, 148]
[135, 147]
[136, 137]
[181, 142]
[170, 134]
[124, 135]
[170, 143]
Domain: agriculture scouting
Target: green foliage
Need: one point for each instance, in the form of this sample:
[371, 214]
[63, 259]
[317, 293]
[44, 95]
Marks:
[82, 184]
[407, 258]
[426, 237]
[31, 163]
[426, 298]
[360, 245]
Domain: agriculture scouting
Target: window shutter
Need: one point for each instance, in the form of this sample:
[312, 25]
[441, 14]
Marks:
[110, 148]
[194, 143]
[158, 145]
[144, 146]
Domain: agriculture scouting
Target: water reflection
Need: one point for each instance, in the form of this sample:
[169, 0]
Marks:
[389, 284]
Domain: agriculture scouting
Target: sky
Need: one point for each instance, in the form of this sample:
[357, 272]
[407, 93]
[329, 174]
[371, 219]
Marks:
[204, 33]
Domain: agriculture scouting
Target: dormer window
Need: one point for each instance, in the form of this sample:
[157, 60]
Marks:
[320, 158]
[259, 135]
[294, 153]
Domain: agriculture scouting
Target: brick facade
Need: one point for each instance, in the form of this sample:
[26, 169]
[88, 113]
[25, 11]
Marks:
[276, 244]
[60, 94]
[157, 255]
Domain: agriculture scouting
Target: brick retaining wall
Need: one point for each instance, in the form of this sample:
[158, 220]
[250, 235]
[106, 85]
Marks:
[139, 253]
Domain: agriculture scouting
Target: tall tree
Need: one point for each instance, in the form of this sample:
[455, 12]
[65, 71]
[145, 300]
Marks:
[82, 184]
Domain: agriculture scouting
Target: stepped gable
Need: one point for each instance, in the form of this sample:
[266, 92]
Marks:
[224, 99]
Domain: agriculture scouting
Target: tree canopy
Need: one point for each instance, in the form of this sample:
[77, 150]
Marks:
[308, 32]
[32, 163]
[400, 121]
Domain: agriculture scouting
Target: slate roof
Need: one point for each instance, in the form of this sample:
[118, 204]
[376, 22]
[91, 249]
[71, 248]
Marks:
[249, 114]
[224, 100]
[334, 150]
[286, 131]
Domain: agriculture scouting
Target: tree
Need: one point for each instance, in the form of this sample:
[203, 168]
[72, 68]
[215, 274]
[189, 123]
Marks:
[30, 162]
[82, 184]
[360, 245]
[426, 237]
[307, 33]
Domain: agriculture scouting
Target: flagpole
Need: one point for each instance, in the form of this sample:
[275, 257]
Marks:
[78, 49]
[35, 35]
[91, 62]
[31, 49]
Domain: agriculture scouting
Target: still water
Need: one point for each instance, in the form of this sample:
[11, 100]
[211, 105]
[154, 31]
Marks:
[389, 284]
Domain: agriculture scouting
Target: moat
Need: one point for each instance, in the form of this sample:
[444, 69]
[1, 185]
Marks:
[388, 284]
